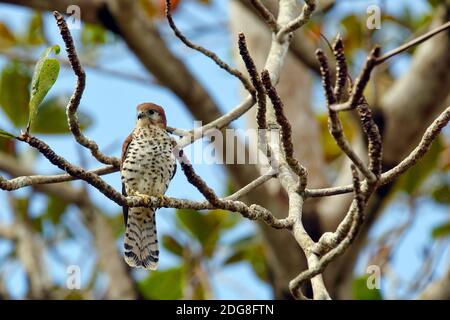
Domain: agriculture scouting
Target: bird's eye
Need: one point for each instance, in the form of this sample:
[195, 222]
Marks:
[151, 112]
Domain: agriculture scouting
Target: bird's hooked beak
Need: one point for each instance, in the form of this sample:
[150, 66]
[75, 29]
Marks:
[141, 115]
[149, 117]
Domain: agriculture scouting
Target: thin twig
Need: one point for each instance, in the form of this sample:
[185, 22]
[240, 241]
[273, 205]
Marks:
[364, 77]
[30, 60]
[177, 131]
[274, 62]
[341, 69]
[326, 77]
[256, 81]
[422, 148]
[195, 179]
[414, 156]
[260, 96]
[374, 145]
[334, 123]
[412, 43]
[266, 15]
[328, 192]
[220, 123]
[369, 126]
[206, 52]
[252, 185]
[302, 19]
[73, 170]
[253, 212]
[74, 101]
[27, 181]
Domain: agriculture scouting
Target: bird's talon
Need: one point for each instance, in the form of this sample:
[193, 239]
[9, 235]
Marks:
[147, 198]
[161, 198]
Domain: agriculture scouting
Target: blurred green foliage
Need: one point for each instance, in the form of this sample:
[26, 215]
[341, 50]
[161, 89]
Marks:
[413, 179]
[164, 285]
[196, 243]
[15, 80]
[361, 290]
[442, 230]
[34, 35]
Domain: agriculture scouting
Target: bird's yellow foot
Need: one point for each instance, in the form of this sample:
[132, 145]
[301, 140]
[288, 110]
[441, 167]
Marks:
[147, 198]
[162, 198]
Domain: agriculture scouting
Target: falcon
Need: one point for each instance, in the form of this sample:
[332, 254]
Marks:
[148, 165]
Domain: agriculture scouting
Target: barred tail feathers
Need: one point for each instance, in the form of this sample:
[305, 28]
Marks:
[141, 243]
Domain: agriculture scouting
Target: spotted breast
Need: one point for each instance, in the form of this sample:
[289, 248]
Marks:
[147, 168]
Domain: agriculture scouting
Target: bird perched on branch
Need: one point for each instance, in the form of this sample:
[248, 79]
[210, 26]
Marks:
[148, 165]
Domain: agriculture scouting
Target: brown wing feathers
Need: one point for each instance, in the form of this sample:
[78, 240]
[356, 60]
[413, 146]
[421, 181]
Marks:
[125, 147]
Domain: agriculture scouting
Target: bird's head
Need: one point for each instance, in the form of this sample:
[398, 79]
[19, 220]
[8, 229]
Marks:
[151, 114]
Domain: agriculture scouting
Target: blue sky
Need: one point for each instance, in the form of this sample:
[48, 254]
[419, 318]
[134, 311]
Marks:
[111, 102]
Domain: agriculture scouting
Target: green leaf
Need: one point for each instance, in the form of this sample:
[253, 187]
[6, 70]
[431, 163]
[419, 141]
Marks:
[164, 285]
[116, 222]
[93, 35]
[361, 291]
[225, 219]
[441, 231]
[354, 33]
[7, 38]
[37, 224]
[434, 3]
[7, 135]
[329, 146]
[21, 206]
[414, 177]
[52, 118]
[45, 75]
[194, 222]
[441, 193]
[230, 189]
[55, 208]
[171, 244]
[254, 255]
[236, 257]
[14, 92]
[35, 30]
[206, 228]
[250, 249]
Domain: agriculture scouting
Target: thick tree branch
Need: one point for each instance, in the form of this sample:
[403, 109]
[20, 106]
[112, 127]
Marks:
[307, 10]
[34, 180]
[341, 240]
